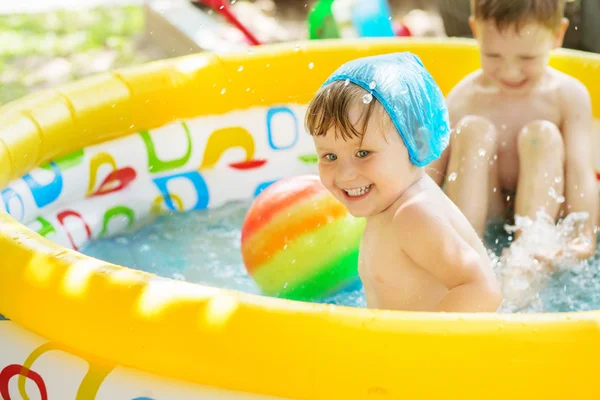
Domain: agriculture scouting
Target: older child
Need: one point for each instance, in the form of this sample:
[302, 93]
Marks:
[376, 122]
[523, 130]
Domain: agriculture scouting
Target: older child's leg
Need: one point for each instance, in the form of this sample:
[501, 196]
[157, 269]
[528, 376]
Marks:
[541, 170]
[470, 168]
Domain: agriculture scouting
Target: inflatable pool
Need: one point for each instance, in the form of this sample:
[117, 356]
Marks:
[109, 152]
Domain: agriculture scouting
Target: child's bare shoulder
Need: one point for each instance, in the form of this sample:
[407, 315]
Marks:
[570, 89]
[467, 85]
[461, 96]
[416, 217]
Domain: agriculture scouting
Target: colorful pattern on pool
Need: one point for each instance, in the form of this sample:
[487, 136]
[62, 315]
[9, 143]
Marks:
[188, 165]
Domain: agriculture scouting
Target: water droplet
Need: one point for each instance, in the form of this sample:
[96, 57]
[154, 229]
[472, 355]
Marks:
[481, 152]
[504, 127]
[495, 190]
[240, 68]
[311, 65]
[558, 179]
[367, 98]
[233, 1]
[131, 126]
[250, 51]
[297, 47]
[452, 177]
[223, 91]
[178, 277]
[247, 89]
[221, 7]
[372, 85]
[346, 82]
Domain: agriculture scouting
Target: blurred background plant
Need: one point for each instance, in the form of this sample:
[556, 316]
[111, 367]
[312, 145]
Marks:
[46, 49]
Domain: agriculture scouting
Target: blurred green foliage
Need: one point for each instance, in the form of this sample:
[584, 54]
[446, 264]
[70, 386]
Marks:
[44, 50]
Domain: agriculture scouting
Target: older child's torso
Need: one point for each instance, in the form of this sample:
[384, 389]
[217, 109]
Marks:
[510, 114]
[390, 278]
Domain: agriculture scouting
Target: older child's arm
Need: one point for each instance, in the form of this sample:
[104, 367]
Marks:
[580, 191]
[438, 249]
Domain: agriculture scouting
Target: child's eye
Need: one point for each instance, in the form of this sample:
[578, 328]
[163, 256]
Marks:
[528, 58]
[362, 153]
[330, 157]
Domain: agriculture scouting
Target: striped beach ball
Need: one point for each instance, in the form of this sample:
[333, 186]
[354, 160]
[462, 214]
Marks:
[299, 242]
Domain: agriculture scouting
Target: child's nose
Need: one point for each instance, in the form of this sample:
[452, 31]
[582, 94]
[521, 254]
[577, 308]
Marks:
[512, 71]
[346, 173]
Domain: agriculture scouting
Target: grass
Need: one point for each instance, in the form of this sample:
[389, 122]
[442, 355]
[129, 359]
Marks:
[45, 50]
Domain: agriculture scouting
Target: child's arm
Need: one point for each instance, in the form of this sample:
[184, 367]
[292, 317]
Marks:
[437, 248]
[580, 190]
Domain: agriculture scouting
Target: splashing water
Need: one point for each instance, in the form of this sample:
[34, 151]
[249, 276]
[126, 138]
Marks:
[541, 250]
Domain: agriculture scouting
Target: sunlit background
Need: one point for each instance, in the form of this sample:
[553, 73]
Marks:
[44, 43]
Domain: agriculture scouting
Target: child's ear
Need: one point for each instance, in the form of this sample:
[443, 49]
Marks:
[559, 34]
[473, 26]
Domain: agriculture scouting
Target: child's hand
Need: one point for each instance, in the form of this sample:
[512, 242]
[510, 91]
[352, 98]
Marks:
[581, 248]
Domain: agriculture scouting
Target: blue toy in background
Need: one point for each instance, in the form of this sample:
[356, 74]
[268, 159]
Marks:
[372, 18]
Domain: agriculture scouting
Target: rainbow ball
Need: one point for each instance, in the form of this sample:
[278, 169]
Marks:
[299, 242]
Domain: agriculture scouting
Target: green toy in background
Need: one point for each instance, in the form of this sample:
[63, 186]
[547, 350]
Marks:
[321, 24]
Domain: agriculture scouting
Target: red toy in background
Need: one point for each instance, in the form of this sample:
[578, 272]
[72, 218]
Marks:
[222, 7]
[401, 30]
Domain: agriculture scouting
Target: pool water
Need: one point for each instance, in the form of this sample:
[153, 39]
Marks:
[204, 247]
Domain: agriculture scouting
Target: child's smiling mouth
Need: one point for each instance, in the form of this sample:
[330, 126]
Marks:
[356, 193]
[515, 85]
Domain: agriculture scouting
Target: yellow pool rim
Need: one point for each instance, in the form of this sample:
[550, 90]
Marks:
[250, 343]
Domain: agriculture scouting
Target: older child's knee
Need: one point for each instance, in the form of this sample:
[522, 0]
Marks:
[541, 138]
[473, 132]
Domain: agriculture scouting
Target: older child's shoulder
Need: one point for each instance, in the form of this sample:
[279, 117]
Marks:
[467, 85]
[461, 96]
[569, 87]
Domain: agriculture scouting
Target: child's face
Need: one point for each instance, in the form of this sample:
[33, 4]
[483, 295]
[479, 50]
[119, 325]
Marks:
[367, 178]
[515, 60]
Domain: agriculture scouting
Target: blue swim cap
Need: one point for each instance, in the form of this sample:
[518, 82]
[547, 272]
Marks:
[411, 97]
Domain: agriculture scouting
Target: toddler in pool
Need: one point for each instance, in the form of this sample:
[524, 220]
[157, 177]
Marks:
[523, 130]
[376, 123]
